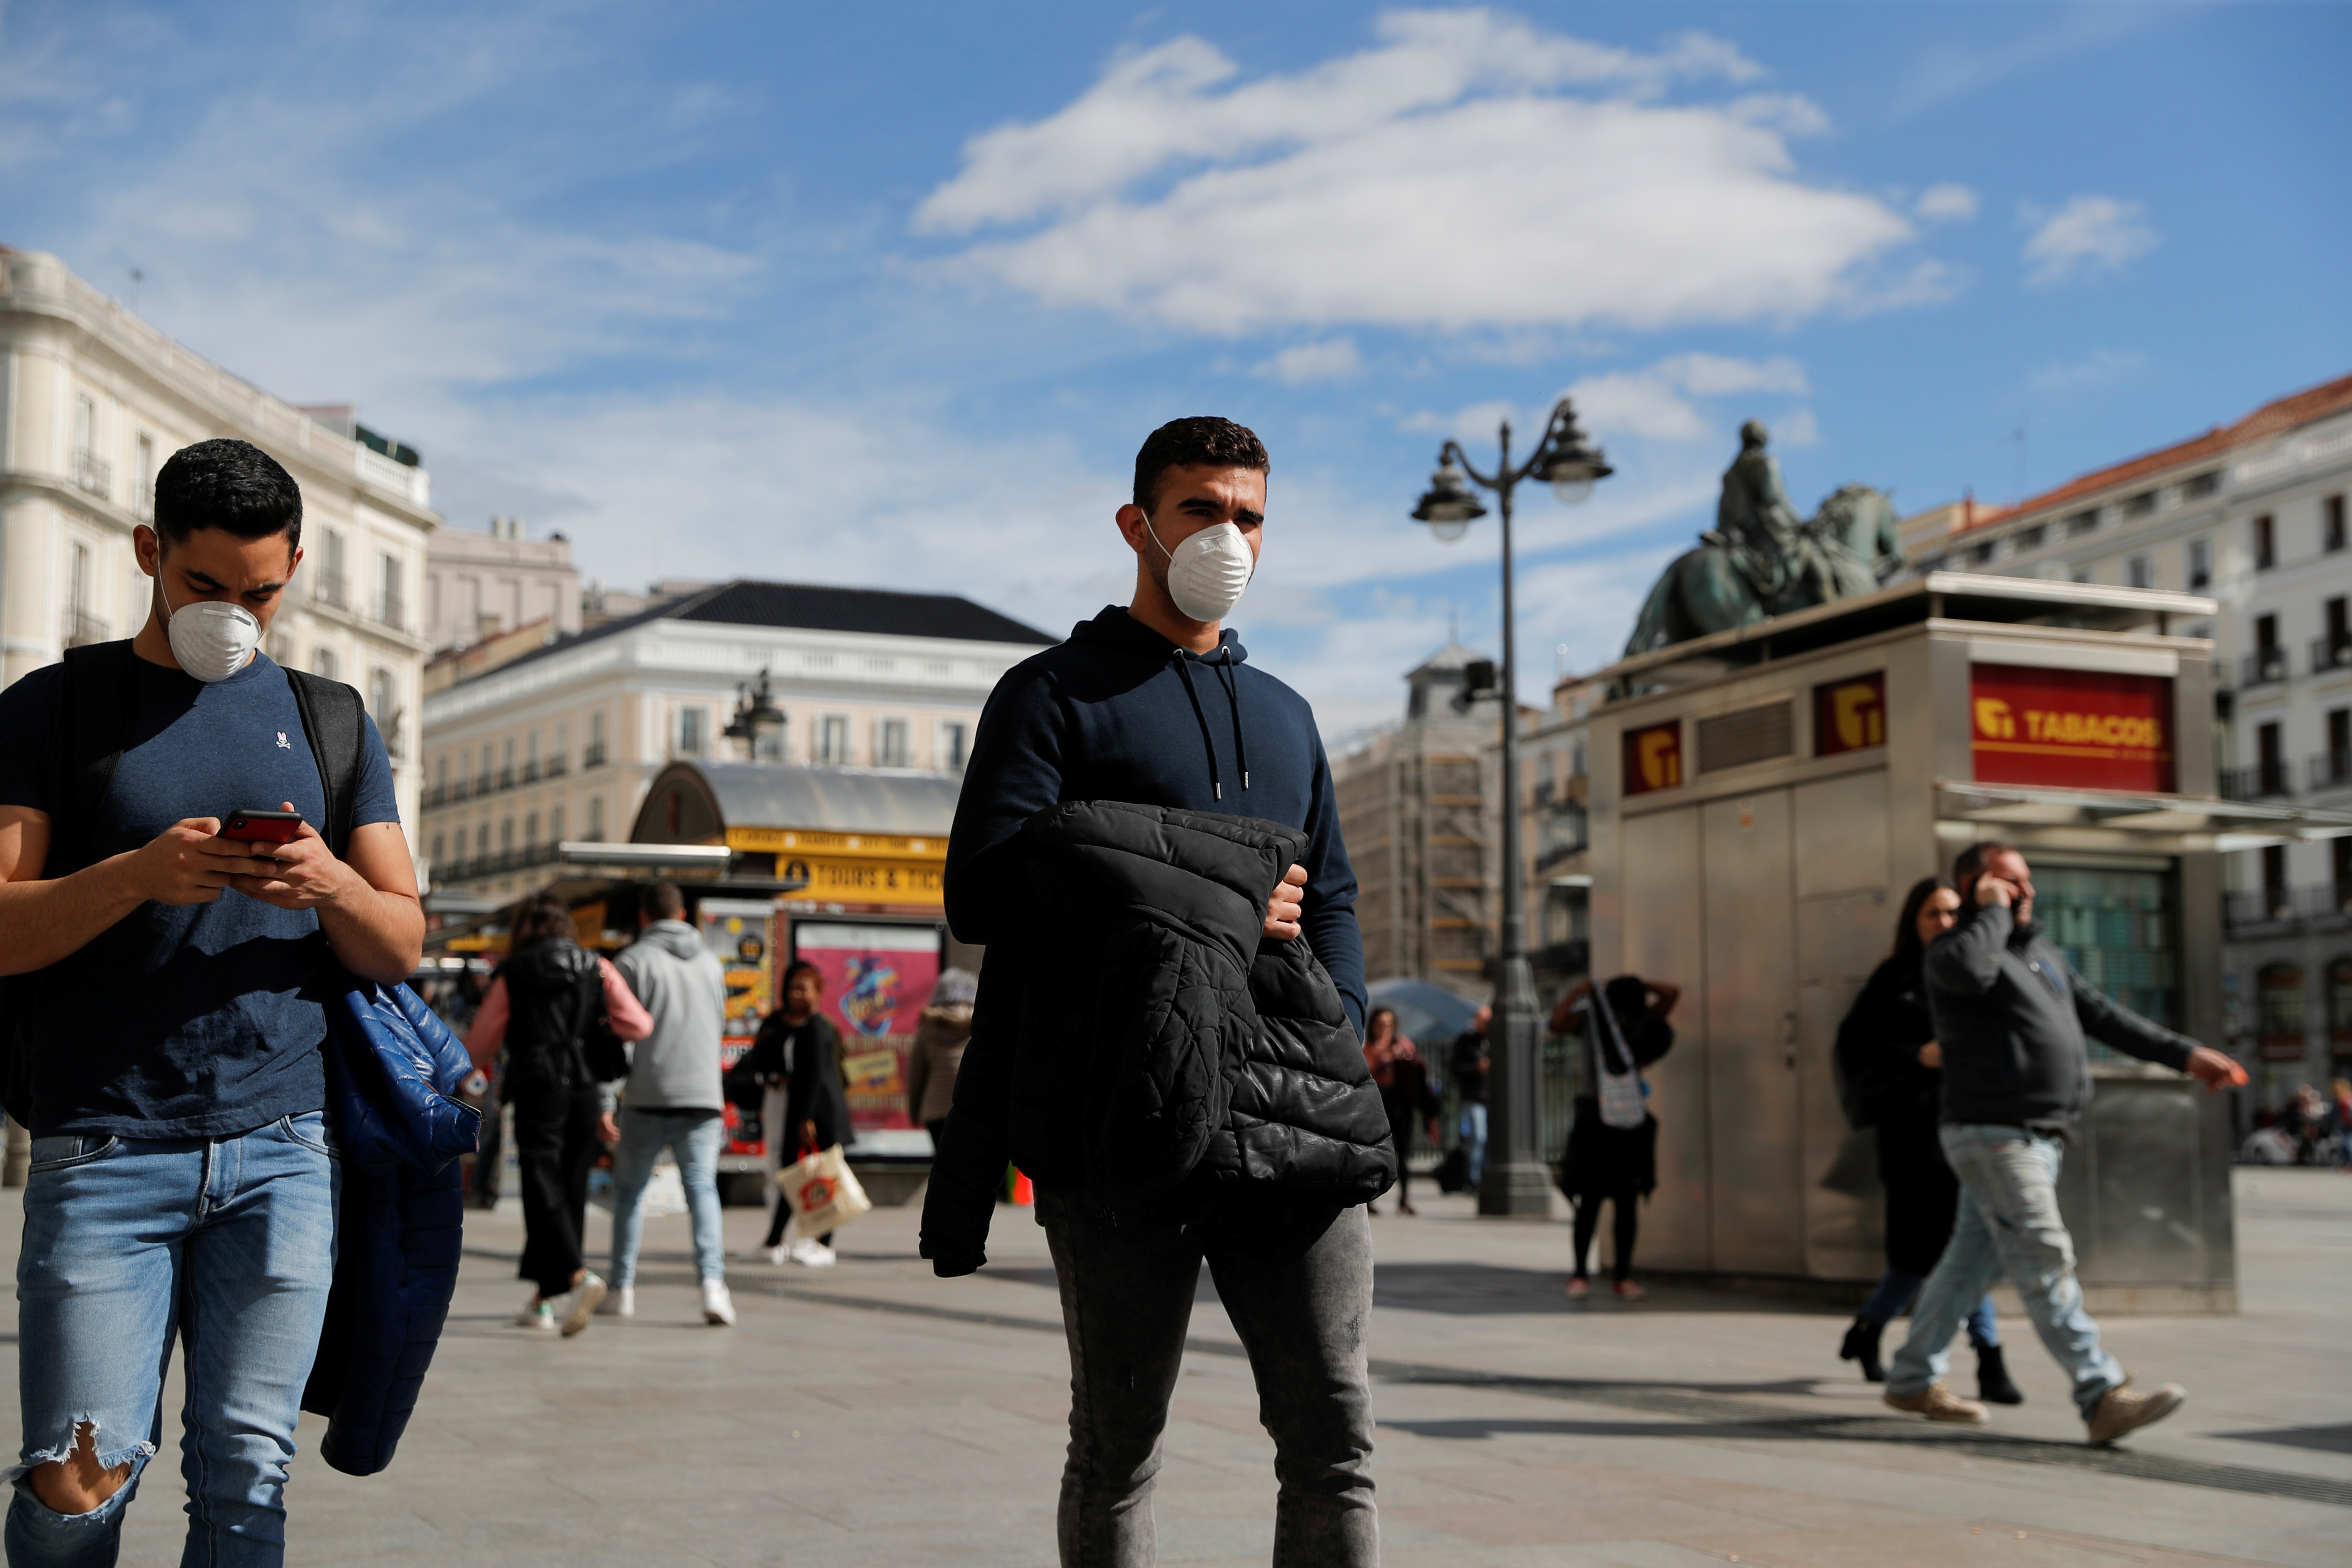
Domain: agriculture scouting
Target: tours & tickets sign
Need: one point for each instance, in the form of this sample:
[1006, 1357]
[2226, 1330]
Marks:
[2076, 729]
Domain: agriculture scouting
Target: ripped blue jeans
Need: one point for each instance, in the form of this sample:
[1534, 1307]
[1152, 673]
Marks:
[225, 1244]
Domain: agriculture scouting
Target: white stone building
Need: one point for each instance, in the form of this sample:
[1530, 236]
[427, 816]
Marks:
[92, 401]
[562, 743]
[480, 584]
[2251, 514]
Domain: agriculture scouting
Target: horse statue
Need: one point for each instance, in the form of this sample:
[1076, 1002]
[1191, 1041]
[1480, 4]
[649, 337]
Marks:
[1760, 560]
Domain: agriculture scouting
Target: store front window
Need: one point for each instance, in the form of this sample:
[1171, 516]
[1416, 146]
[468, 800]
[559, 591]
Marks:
[2117, 928]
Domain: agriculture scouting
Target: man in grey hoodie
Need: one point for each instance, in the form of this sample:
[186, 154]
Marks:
[671, 1097]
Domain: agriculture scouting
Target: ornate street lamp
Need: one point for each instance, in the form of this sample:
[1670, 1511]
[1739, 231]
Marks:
[1516, 1181]
[758, 723]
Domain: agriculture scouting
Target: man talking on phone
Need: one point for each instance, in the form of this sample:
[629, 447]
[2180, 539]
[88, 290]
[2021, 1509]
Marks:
[166, 1007]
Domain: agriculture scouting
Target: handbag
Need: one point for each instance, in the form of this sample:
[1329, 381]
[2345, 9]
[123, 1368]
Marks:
[823, 1191]
[1612, 1069]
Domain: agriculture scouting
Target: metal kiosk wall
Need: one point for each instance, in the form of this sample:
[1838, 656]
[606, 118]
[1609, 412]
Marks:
[1761, 801]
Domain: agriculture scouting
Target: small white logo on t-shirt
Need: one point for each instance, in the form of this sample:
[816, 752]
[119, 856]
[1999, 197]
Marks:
[284, 741]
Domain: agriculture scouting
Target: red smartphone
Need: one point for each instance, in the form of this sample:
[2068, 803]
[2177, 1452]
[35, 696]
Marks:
[263, 827]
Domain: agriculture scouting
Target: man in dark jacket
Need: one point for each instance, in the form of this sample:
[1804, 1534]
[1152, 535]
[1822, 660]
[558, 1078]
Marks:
[1470, 1061]
[1153, 705]
[2010, 1014]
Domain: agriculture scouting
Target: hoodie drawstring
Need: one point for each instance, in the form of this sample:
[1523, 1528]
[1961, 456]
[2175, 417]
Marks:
[1216, 786]
[1233, 700]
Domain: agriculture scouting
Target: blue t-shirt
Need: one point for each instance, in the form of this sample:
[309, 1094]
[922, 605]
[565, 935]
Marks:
[202, 1022]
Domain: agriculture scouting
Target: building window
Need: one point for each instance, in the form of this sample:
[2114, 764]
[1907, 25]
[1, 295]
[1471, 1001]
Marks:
[391, 606]
[506, 842]
[2336, 767]
[323, 662]
[2201, 562]
[331, 577]
[2331, 523]
[594, 757]
[90, 472]
[481, 844]
[2031, 538]
[2265, 543]
[507, 763]
[953, 740]
[2270, 749]
[596, 819]
[531, 830]
[833, 740]
[2082, 522]
[143, 501]
[440, 843]
[692, 723]
[559, 762]
[383, 706]
[2198, 486]
[441, 774]
[80, 626]
[555, 825]
[2138, 573]
[484, 781]
[891, 743]
[531, 758]
[2080, 574]
[1979, 555]
[2278, 1003]
[2140, 505]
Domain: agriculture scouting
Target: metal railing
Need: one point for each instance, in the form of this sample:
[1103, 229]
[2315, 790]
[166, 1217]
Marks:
[592, 755]
[2263, 781]
[484, 782]
[331, 588]
[2332, 770]
[2286, 906]
[2263, 666]
[93, 473]
[435, 794]
[507, 776]
[2330, 652]
[80, 628]
[531, 771]
[392, 613]
[558, 765]
[468, 868]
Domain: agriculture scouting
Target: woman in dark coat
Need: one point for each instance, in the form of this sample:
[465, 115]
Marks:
[1402, 1079]
[1616, 1163]
[1887, 1053]
[797, 1051]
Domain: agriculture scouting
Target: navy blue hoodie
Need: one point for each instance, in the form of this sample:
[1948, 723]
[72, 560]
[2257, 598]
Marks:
[1119, 712]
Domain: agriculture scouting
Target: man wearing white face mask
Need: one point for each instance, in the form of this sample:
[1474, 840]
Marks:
[1153, 705]
[167, 1022]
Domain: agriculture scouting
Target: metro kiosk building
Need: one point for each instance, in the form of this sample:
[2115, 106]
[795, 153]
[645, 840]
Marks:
[1762, 798]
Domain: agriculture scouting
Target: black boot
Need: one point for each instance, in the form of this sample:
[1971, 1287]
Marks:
[1862, 1345]
[1993, 1385]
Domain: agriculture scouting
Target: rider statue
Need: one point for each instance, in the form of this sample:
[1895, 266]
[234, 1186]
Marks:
[1754, 522]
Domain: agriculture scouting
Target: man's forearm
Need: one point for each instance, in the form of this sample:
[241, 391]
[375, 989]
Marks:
[377, 936]
[42, 922]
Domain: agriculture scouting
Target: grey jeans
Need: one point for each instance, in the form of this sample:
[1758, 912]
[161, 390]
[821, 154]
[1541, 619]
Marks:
[1299, 1292]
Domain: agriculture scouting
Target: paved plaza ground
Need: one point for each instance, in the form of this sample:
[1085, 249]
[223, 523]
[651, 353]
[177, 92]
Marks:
[872, 1415]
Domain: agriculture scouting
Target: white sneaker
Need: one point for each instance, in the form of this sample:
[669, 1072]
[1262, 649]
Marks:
[778, 1255]
[572, 1309]
[814, 1254]
[717, 1305]
[536, 1315]
[621, 1302]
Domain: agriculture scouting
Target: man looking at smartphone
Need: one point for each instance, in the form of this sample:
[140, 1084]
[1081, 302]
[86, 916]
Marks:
[167, 1005]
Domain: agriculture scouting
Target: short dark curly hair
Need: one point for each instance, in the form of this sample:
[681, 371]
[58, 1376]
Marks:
[226, 484]
[1201, 441]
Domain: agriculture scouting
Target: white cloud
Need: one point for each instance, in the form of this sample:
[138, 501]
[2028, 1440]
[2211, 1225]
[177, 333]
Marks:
[2096, 369]
[1333, 360]
[1946, 204]
[1657, 403]
[1798, 427]
[1442, 178]
[2088, 236]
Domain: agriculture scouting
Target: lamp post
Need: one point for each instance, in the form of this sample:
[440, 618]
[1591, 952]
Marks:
[758, 723]
[1516, 1182]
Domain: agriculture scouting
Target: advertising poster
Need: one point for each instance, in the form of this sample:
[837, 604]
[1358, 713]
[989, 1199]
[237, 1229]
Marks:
[876, 979]
[740, 933]
[2077, 728]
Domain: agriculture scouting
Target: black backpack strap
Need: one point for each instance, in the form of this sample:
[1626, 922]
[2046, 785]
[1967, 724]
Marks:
[332, 717]
[96, 703]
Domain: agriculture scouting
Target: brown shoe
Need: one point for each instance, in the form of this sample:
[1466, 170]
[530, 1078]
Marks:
[2123, 1410]
[1939, 1403]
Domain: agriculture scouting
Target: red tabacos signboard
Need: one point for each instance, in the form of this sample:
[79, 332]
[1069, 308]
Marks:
[1653, 757]
[2076, 729]
[1850, 715]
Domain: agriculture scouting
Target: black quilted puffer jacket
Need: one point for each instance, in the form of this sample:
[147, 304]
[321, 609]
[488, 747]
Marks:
[1150, 1047]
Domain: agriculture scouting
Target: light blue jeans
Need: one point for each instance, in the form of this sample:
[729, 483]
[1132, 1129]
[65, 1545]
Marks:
[1473, 1129]
[228, 1244]
[2008, 1224]
[693, 1136]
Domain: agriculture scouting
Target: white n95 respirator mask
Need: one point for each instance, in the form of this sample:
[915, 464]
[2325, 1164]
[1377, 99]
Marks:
[211, 640]
[1207, 572]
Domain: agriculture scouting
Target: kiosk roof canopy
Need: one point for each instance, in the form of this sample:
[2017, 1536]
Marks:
[779, 795]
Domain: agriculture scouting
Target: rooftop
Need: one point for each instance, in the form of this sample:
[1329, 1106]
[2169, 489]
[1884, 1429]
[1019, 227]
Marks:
[2274, 418]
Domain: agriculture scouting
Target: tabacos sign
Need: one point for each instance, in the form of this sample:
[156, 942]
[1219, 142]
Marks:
[2077, 728]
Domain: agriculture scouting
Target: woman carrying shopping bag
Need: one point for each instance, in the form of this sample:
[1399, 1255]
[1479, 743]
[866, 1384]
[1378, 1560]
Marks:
[798, 1052]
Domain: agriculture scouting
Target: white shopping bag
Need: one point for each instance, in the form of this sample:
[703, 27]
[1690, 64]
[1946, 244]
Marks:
[823, 1191]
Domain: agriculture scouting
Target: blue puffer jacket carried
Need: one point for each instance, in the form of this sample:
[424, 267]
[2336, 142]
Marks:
[392, 1069]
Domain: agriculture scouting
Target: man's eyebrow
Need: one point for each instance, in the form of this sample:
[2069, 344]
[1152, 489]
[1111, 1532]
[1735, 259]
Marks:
[208, 584]
[1247, 518]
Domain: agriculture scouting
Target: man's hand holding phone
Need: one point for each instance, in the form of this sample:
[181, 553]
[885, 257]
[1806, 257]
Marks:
[301, 873]
[189, 863]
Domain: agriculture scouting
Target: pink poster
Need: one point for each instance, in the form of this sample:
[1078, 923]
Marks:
[876, 980]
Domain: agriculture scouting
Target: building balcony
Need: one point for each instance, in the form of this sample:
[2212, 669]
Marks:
[2330, 652]
[435, 794]
[2263, 781]
[392, 613]
[592, 755]
[2332, 770]
[2252, 908]
[93, 473]
[2263, 666]
[483, 784]
[507, 776]
[331, 589]
[531, 771]
[79, 628]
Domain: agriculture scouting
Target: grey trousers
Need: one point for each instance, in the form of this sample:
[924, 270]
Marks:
[1299, 1291]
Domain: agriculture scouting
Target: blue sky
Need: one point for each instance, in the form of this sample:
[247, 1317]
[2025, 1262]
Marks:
[889, 297]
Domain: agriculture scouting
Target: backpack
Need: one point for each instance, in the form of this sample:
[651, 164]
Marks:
[96, 704]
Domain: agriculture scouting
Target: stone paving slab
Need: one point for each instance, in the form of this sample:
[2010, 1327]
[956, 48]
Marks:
[872, 1415]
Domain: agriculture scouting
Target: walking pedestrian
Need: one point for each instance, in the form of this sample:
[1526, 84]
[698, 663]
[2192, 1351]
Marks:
[542, 1003]
[671, 1098]
[165, 1013]
[2010, 1016]
[940, 1035]
[797, 1058]
[1613, 1136]
[1887, 1055]
[1471, 1060]
[1402, 1078]
[1147, 830]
